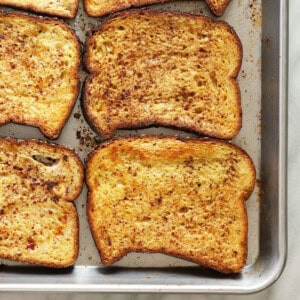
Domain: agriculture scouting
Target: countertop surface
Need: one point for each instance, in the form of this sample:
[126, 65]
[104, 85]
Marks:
[287, 287]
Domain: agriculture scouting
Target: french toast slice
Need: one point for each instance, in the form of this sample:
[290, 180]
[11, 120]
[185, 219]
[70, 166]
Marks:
[180, 197]
[59, 8]
[38, 219]
[98, 8]
[218, 7]
[163, 69]
[39, 77]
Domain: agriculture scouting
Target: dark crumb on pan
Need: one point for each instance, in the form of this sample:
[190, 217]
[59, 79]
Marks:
[243, 74]
[77, 115]
[259, 191]
[87, 140]
[267, 42]
[255, 13]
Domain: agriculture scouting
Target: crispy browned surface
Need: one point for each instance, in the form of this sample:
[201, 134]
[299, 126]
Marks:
[160, 68]
[39, 81]
[38, 221]
[98, 8]
[60, 8]
[183, 198]
[218, 6]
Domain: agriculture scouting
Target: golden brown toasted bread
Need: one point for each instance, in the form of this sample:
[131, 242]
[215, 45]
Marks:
[38, 221]
[166, 69]
[218, 6]
[97, 8]
[39, 81]
[60, 8]
[183, 198]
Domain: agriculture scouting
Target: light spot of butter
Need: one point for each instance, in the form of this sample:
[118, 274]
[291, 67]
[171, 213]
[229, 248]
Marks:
[120, 185]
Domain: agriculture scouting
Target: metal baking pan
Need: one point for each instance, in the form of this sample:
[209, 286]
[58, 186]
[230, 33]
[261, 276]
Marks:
[262, 27]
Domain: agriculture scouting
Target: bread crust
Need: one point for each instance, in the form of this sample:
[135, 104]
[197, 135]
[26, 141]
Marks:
[69, 15]
[72, 213]
[204, 262]
[38, 122]
[217, 11]
[154, 120]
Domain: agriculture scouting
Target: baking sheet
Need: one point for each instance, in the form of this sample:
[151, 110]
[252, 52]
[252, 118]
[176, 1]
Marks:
[245, 17]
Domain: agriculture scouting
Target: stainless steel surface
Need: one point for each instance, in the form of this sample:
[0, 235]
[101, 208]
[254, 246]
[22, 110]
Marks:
[263, 136]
